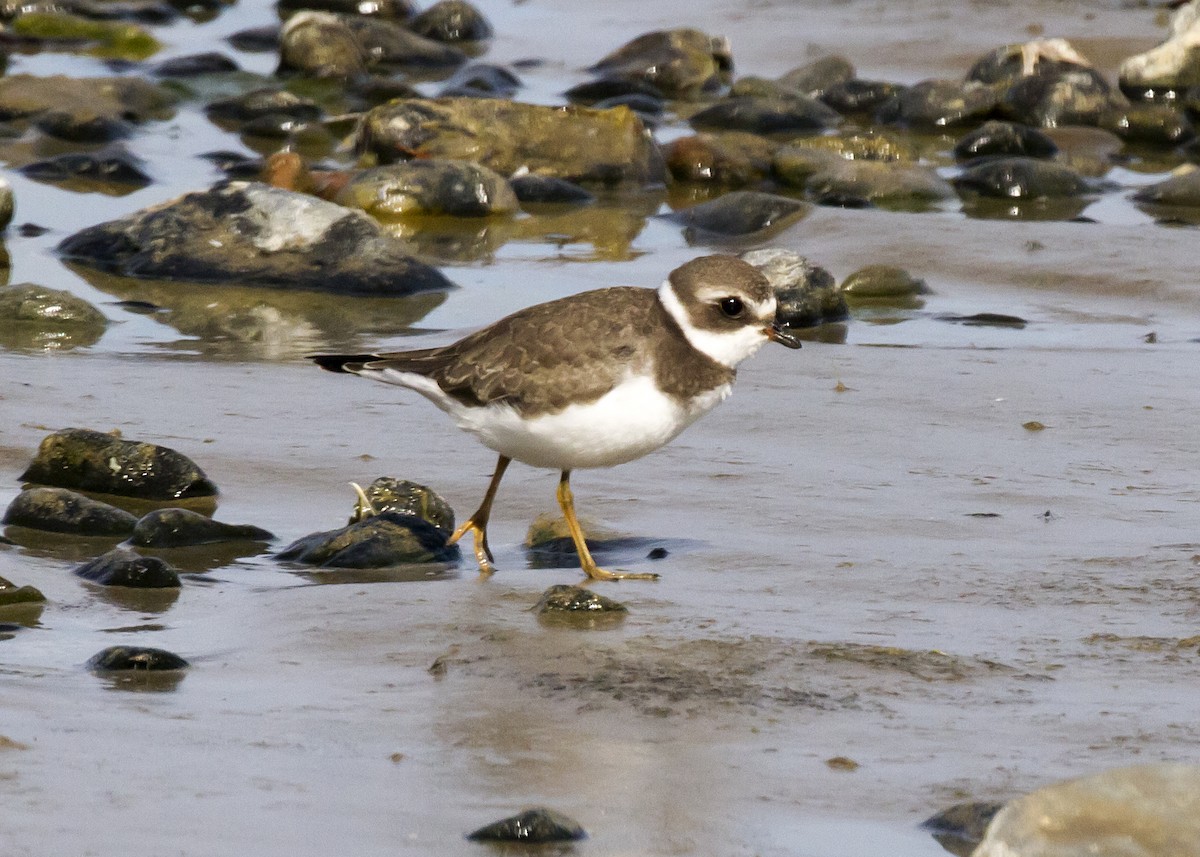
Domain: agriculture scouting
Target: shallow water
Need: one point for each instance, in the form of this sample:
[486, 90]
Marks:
[869, 555]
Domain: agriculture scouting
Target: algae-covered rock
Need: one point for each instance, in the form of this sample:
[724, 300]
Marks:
[123, 567]
[1000, 139]
[1021, 178]
[253, 234]
[388, 494]
[859, 183]
[935, 104]
[378, 541]
[106, 39]
[531, 827]
[564, 598]
[93, 461]
[882, 282]
[429, 187]
[807, 295]
[320, 44]
[11, 594]
[60, 510]
[1149, 124]
[35, 317]
[680, 63]
[607, 147]
[1080, 97]
[135, 658]
[172, 528]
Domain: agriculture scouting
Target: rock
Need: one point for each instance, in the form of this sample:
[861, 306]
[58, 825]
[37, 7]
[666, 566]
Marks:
[112, 168]
[7, 203]
[531, 827]
[960, 828]
[257, 40]
[387, 44]
[256, 235]
[860, 96]
[59, 510]
[859, 183]
[816, 77]
[93, 110]
[11, 594]
[258, 104]
[1141, 811]
[807, 295]
[429, 187]
[320, 44]
[172, 528]
[936, 104]
[882, 282]
[998, 139]
[393, 10]
[1149, 124]
[142, 11]
[195, 65]
[88, 460]
[740, 214]
[729, 159]
[869, 145]
[123, 567]
[388, 494]
[1039, 57]
[452, 21]
[606, 88]
[106, 39]
[607, 147]
[1171, 67]
[531, 188]
[563, 598]
[796, 115]
[35, 317]
[480, 80]
[1068, 98]
[1021, 178]
[1181, 189]
[379, 541]
[123, 658]
[679, 63]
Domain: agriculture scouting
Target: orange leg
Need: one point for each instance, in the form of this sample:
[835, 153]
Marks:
[477, 523]
[567, 501]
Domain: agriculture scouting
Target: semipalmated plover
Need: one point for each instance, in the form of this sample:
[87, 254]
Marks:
[591, 380]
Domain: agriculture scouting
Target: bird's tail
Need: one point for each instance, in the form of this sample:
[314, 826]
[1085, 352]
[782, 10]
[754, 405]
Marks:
[346, 363]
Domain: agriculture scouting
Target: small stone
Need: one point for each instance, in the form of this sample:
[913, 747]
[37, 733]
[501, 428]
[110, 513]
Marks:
[532, 827]
[389, 44]
[35, 317]
[797, 115]
[1033, 425]
[680, 63]
[937, 104]
[1081, 97]
[92, 110]
[807, 295]
[856, 184]
[883, 282]
[961, 827]
[740, 214]
[388, 494]
[114, 168]
[429, 187]
[452, 21]
[123, 567]
[135, 658]
[563, 598]
[728, 159]
[860, 96]
[1181, 189]
[379, 541]
[105, 39]
[320, 44]
[59, 510]
[172, 528]
[195, 65]
[11, 594]
[7, 203]
[1021, 178]
[531, 188]
[481, 80]
[841, 763]
[259, 103]
[996, 139]
[816, 77]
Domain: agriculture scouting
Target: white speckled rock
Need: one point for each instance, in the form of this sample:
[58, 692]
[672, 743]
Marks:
[1141, 811]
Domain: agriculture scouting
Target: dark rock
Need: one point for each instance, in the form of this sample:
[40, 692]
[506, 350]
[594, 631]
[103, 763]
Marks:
[1149, 124]
[531, 188]
[93, 461]
[563, 598]
[740, 213]
[388, 494]
[606, 88]
[997, 138]
[796, 115]
[123, 658]
[372, 90]
[860, 96]
[1045, 57]
[320, 44]
[11, 594]
[818, 76]
[452, 21]
[532, 827]
[112, 166]
[256, 40]
[395, 10]
[172, 528]
[235, 165]
[429, 187]
[882, 282]
[961, 827]
[608, 147]
[195, 65]
[730, 159]
[860, 183]
[59, 510]
[807, 295]
[482, 80]
[1021, 178]
[985, 319]
[35, 317]
[123, 567]
[387, 43]
[255, 235]
[263, 102]
[1181, 189]
[7, 203]
[93, 110]
[1080, 97]
[378, 541]
[680, 63]
[647, 107]
[935, 104]
[141, 11]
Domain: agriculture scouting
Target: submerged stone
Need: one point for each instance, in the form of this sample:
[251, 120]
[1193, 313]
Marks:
[481, 80]
[729, 159]
[93, 110]
[429, 187]
[388, 494]
[532, 827]
[106, 39]
[172, 528]
[260, 103]
[123, 567]
[60, 510]
[860, 96]
[740, 213]
[860, 183]
[93, 461]
[195, 65]
[252, 234]
[379, 541]
[1181, 189]
[33, 316]
[111, 166]
[607, 147]
[876, 282]
[11, 594]
[807, 295]
[452, 21]
[1021, 178]
[139, 658]
[680, 63]
[1149, 124]
[548, 189]
[563, 598]
[998, 139]
[934, 104]
[796, 115]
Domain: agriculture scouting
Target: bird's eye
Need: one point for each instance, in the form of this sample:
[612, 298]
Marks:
[731, 307]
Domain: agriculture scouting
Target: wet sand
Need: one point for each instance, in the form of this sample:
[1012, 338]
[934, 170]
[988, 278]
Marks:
[869, 555]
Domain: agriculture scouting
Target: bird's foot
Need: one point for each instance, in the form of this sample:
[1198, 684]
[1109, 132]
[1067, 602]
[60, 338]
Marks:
[483, 553]
[595, 572]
